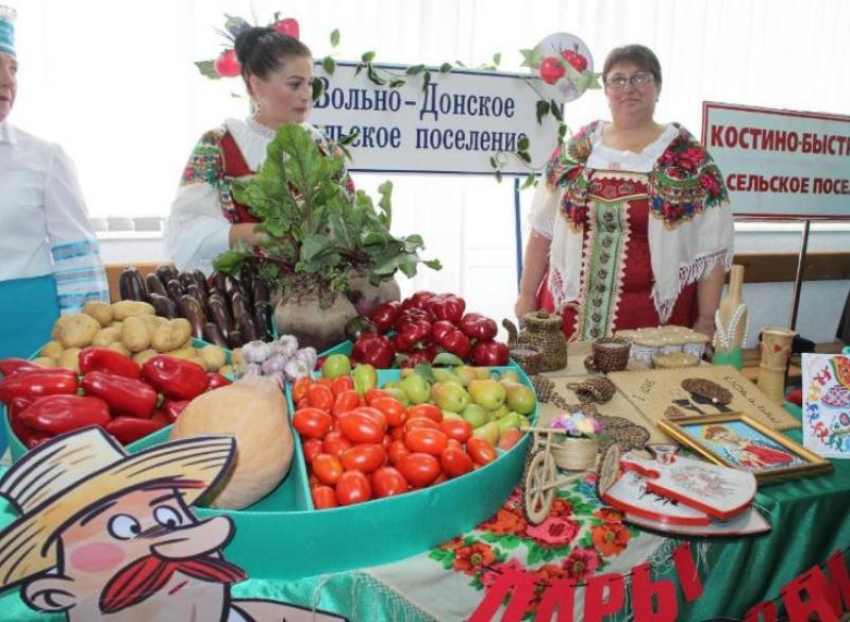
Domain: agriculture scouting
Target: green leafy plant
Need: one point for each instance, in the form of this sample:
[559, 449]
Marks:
[317, 232]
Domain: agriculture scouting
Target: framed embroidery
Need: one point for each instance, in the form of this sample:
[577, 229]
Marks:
[740, 442]
[826, 404]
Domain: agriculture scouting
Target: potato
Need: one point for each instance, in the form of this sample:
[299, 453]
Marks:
[135, 334]
[78, 330]
[101, 311]
[52, 349]
[105, 336]
[120, 347]
[189, 354]
[70, 358]
[142, 357]
[46, 361]
[116, 325]
[131, 308]
[227, 370]
[153, 322]
[236, 357]
[57, 326]
[171, 335]
[214, 357]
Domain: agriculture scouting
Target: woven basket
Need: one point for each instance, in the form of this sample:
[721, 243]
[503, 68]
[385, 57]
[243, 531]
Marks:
[530, 359]
[575, 454]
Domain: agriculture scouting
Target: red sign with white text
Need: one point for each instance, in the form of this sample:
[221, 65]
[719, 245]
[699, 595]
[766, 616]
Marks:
[781, 162]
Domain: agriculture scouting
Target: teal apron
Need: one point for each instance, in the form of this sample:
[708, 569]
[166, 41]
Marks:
[28, 308]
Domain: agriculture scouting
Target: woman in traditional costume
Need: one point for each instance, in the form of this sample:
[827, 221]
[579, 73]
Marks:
[51, 258]
[205, 219]
[632, 227]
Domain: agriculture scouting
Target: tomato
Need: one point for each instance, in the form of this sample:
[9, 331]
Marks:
[373, 394]
[365, 458]
[480, 450]
[302, 404]
[325, 382]
[419, 469]
[353, 487]
[455, 462]
[342, 383]
[320, 396]
[311, 448]
[345, 401]
[313, 481]
[420, 422]
[426, 440]
[454, 444]
[425, 410]
[457, 429]
[324, 497]
[312, 422]
[360, 428]
[299, 389]
[393, 409]
[335, 443]
[327, 468]
[374, 413]
[396, 451]
[397, 433]
[387, 482]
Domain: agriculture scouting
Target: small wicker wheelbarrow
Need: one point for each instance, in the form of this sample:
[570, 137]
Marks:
[552, 449]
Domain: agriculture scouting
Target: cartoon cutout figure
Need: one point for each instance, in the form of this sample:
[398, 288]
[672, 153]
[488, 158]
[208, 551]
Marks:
[748, 453]
[106, 535]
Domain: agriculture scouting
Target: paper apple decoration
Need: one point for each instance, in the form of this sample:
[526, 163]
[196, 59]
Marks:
[227, 65]
[289, 27]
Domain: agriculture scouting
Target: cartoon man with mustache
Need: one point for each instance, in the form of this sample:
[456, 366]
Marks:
[103, 535]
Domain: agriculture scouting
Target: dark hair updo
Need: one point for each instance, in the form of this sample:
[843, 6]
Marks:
[262, 50]
[639, 55]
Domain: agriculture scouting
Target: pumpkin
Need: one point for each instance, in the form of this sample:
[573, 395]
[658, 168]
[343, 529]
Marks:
[253, 410]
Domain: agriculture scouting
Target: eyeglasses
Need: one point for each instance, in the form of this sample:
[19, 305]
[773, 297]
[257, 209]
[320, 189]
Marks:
[638, 79]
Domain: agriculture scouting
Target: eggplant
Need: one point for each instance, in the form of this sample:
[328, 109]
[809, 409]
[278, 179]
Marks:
[155, 286]
[235, 339]
[132, 286]
[191, 309]
[263, 320]
[198, 294]
[164, 306]
[220, 313]
[186, 279]
[175, 290]
[219, 281]
[259, 291]
[200, 279]
[166, 272]
[213, 335]
[240, 309]
[232, 286]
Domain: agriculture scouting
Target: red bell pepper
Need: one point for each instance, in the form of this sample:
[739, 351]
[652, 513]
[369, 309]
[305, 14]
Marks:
[411, 334]
[418, 300]
[56, 414]
[130, 429]
[104, 359]
[385, 315]
[172, 409]
[455, 342]
[37, 383]
[440, 329]
[477, 326]
[447, 307]
[490, 354]
[125, 396]
[11, 366]
[414, 359]
[24, 433]
[179, 379]
[410, 316]
[214, 381]
[374, 349]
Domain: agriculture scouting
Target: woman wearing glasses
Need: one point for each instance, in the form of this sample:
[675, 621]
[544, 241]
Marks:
[205, 219]
[632, 226]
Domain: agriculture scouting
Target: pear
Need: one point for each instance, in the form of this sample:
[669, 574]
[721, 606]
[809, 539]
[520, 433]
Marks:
[450, 396]
[446, 375]
[521, 398]
[489, 432]
[509, 438]
[509, 421]
[449, 415]
[487, 393]
[498, 413]
[482, 373]
[465, 373]
[509, 377]
[416, 388]
[398, 393]
[365, 377]
[475, 415]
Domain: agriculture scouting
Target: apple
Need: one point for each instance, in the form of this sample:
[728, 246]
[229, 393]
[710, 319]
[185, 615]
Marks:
[227, 65]
[578, 61]
[336, 365]
[551, 70]
[288, 27]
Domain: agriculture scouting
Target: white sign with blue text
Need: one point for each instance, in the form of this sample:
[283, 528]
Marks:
[455, 124]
